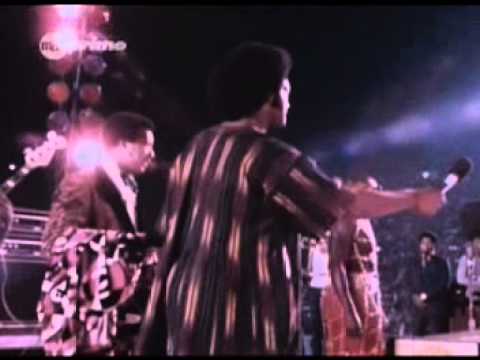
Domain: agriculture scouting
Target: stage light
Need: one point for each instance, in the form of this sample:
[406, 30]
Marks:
[91, 93]
[408, 129]
[471, 112]
[12, 167]
[86, 154]
[69, 12]
[67, 39]
[425, 174]
[106, 16]
[58, 92]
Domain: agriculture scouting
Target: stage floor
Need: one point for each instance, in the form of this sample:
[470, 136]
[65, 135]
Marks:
[468, 336]
[20, 339]
[25, 339]
[461, 343]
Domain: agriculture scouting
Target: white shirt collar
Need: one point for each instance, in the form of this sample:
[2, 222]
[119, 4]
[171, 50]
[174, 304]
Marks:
[112, 170]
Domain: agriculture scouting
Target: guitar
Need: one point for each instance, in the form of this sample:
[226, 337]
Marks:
[34, 158]
[41, 156]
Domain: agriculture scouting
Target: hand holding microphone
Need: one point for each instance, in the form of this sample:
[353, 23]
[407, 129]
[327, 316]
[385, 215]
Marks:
[429, 201]
[457, 173]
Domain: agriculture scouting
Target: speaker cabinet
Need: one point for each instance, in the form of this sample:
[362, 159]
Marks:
[20, 282]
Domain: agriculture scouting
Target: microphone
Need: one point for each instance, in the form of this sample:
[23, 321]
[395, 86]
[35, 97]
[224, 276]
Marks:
[456, 173]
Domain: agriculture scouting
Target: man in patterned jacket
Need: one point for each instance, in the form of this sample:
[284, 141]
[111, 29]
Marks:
[79, 305]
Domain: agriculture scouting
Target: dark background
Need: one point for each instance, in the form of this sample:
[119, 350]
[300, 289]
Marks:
[355, 67]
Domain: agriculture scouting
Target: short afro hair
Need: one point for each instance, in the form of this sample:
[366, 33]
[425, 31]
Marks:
[126, 126]
[244, 80]
[428, 234]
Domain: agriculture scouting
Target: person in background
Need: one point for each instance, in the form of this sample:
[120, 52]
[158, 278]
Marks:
[468, 275]
[319, 281]
[363, 284]
[430, 278]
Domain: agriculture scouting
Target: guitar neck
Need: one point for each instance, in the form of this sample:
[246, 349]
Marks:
[14, 180]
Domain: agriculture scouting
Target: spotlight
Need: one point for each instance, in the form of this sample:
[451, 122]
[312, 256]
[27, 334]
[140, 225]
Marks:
[69, 12]
[67, 39]
[86, 154]
[106, 16]
[426, 174]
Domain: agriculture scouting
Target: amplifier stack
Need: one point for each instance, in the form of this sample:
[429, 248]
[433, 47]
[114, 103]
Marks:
[22, 267]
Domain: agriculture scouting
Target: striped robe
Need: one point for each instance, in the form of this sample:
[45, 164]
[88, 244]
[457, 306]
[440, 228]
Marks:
[234, 198]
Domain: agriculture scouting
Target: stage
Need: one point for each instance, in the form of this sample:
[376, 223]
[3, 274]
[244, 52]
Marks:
[461, 343]
[24, 339]
[20, 339]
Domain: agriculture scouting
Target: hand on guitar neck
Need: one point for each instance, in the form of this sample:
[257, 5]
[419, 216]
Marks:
[41, 156]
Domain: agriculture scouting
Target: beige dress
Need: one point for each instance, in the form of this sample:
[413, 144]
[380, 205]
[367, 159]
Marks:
[363, 277]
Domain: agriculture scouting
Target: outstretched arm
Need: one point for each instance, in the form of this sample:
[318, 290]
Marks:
[371, 203]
